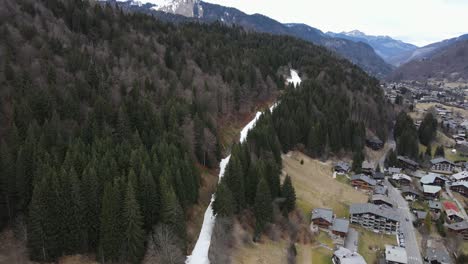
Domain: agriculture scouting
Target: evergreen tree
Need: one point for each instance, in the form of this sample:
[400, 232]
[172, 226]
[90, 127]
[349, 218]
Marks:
[91, 206]
[35, 224]
[263, 207]
[358, 159]
[289, 194]
[224, 204]
[428, 129]
[171, 210]
[235, 181]
[134, 233]
[439, 152]
[110, 227]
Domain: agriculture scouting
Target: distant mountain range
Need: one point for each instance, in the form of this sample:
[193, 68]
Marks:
[447, 60]
[361, 54]
[386, 47]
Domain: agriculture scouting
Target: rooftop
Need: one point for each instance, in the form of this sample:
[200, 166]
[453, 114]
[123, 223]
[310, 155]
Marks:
[431, 189]
[458, 226]
[364, 178]
[395, 254]
[401, 176]
[435, 205]
[430, 178]
[368, 208]
[346, 256]
[408, 161]
[438, 254]
[323, 213]
[460, 176]
[380, 197]
[393, 170]
[340, 225]
[440, 160]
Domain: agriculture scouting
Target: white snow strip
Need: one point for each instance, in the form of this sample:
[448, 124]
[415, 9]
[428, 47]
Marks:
[294, 79]
[200, 251]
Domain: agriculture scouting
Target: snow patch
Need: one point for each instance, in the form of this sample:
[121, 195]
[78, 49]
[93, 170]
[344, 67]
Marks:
[200, 251]
[294, 79]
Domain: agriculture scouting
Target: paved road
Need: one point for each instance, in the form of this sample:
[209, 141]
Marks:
[412, 247]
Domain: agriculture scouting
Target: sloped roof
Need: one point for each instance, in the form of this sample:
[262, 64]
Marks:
[382, 211]
[379, 189]
[346, 256]
[395, 254]
[435, 205]
[364, 178]
[431, 189]
[401, 176]
[380, 197]
[340, 225]
[323, 213]
[408, 160]
[463, 183]
[394, 170]
[460, 176]
[440, 160]
[430, 178]
[458, 226]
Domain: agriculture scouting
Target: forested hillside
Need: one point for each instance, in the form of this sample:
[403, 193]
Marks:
[107, 115]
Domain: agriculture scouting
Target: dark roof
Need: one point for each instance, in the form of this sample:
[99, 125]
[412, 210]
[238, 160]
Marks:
[342, 165]
[374, 140]
[382, 211]
[378, 176]
[408, 161]
[364, 178]
[380, 197]
[322, 213]
[340, 225]
[408, 189]
[421, 214]
[394, 170]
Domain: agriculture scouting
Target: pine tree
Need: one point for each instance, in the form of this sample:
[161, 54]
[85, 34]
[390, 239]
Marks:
[134, 234]
[235, 181]
[171, 210]
[110, 240]
[263, 207]
[289, 194]
[224, 204]
[358, 158]
[91, 206]
[148, 198]
[35, 224]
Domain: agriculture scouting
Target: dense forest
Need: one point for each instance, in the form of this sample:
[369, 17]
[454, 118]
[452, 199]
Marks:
[106, 117]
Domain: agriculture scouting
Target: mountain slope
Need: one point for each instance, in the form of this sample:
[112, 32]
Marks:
[107, 115]
[425, 52]
[449, 62]
[385, 46]
[359, 53]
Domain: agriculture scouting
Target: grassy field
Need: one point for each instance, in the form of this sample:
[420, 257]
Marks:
[315, 186]
[371, 244]
[308, 254]
[268, 253]
[455, 110]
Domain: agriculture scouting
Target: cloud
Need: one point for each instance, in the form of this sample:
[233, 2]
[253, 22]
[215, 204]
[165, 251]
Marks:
[417, 21]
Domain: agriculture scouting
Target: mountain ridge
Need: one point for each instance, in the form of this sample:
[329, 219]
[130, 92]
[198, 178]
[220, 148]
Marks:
[360, 54]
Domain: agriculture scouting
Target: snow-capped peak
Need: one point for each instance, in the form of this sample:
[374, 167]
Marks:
[180, 7]
[354, 33]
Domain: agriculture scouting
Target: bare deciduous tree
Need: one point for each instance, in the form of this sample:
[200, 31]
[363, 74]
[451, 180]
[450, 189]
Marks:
[164, 246]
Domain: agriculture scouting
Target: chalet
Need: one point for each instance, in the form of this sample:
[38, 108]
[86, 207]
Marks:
[435, 206]
[379, 199]
[346, 256]
[460, 187]
[420, 215]
[431, 191]
[381, 189]
[442, 165]
[322, 217]
[461, 176]
[433, 179]
[374, 143]
[374, 217]
[460, 229]
[342, 167]
[437, 255]
[378, 176]
[409, 193]
[340, 227]
[395, 255]
[367, 168]
[452, 212]
[393, 170]
[407, 163]
[363, 182]
[402, 179]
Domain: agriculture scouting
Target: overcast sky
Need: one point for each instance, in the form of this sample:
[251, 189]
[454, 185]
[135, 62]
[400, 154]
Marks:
[419, 22]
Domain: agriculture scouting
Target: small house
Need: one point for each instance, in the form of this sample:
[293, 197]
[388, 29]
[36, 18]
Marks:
[367, 168]
[393, 170]
[374, 143]
[379, 199]
[461, 176]
[459, 229]
[431, 191]
[322, 217]
[340, 227]
[402, 179]
[433, 179]
[378, 176]
[409, 193]
[395, 255]
[435, 206]
[381, 189]
[362, 181]
[346, 256]
[408, 163]
[460, 187]
[342, 167]
[437, 255]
